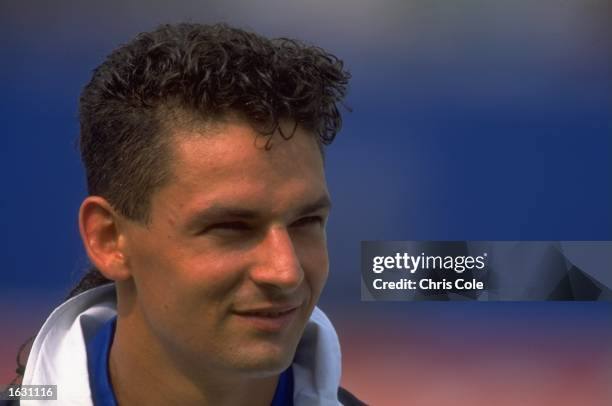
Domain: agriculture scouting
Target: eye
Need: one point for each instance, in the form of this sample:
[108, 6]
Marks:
[307, 221]
[230, 226]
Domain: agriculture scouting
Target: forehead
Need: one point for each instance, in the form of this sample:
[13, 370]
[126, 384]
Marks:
[230, 164]
[231, 145]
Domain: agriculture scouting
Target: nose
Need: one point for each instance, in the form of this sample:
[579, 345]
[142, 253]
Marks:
[278, 265]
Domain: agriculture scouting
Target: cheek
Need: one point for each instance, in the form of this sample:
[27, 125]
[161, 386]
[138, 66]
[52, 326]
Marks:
[314, 260]
[175, 278]
[212, 276]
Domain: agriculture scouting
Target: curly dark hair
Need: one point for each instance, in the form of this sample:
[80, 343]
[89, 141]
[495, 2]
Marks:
[208, 71]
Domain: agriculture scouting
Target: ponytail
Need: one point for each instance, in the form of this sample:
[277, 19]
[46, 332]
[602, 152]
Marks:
[92, 279]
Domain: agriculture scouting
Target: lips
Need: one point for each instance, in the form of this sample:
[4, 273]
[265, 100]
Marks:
[268, 311]
[271, 319]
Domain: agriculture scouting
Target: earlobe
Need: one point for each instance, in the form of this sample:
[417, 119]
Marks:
[101, 235]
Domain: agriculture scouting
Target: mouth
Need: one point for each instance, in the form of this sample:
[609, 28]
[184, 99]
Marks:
[269, 319]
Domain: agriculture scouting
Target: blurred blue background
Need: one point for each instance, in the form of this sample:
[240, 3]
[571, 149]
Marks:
[472, 120]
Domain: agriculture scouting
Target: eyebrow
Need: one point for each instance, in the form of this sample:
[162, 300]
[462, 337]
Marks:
[220, 211]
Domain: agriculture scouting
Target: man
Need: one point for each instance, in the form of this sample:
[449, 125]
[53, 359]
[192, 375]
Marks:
[203, 148]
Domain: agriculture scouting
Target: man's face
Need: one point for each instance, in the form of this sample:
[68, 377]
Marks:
[227, 272]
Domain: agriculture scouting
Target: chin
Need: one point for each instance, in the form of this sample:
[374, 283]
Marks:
[262, 362]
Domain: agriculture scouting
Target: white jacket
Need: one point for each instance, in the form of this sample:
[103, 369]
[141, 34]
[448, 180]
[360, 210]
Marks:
[58, 355]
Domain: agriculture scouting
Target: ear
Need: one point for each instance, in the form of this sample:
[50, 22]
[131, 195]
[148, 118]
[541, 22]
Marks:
[102, 238]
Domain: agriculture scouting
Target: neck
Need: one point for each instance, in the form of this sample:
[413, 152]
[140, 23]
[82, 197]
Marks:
[142, 372]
